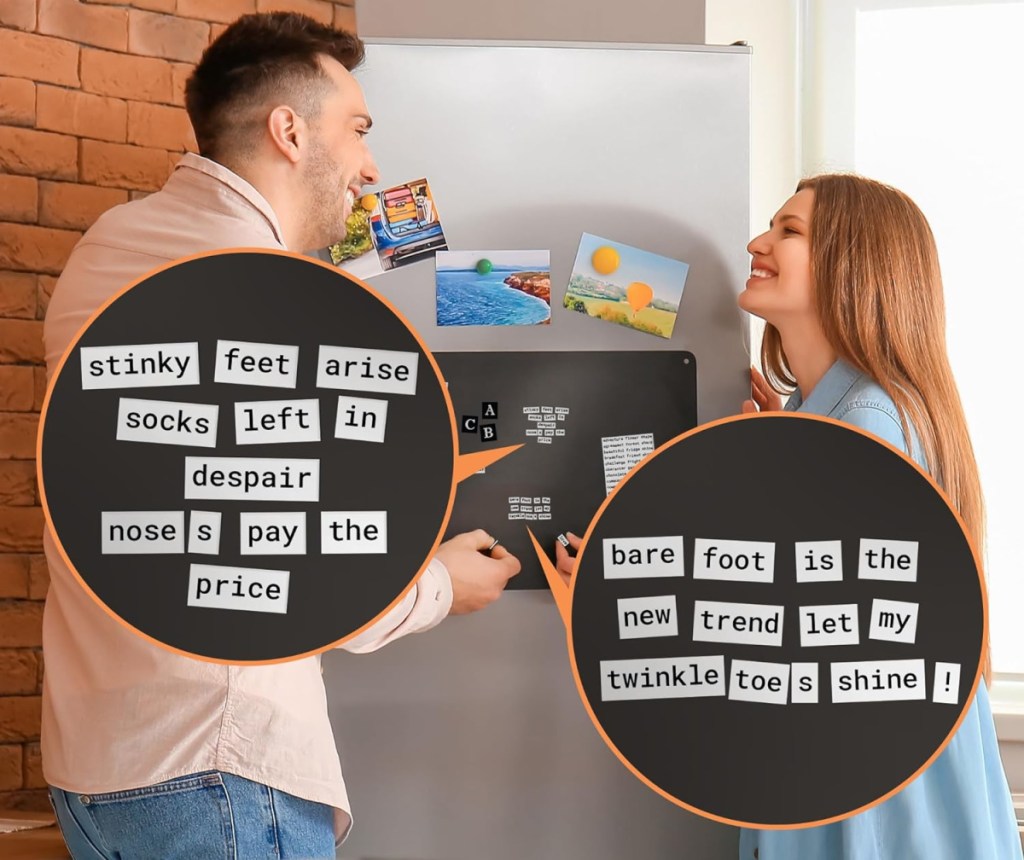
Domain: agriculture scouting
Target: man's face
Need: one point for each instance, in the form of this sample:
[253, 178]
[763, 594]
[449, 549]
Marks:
[339, 163]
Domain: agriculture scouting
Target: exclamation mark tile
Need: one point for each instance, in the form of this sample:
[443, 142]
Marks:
[946, 690]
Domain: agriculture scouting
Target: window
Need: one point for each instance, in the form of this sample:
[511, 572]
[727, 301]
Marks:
[926, 96]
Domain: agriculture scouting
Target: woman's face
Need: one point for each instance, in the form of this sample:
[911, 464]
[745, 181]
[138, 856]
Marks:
[779, 287]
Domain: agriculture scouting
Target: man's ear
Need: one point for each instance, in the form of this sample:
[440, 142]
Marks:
[287, 132]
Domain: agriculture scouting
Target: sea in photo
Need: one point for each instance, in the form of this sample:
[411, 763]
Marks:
[511, 293]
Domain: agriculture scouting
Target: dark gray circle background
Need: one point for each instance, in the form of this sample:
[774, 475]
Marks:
[783, 479]
[269, 298]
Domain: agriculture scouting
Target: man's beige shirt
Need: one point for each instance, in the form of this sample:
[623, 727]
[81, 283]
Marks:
[118, 711]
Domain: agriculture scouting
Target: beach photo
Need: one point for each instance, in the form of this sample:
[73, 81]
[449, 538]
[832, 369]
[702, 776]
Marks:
[625, 285]
[493, 287]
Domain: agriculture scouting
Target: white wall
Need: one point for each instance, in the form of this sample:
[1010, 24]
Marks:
[770, 27]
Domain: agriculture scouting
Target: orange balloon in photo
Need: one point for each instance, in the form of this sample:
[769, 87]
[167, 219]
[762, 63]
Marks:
[639, 296]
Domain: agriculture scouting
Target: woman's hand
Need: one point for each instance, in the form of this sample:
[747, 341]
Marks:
[765, 398]
[565, 564]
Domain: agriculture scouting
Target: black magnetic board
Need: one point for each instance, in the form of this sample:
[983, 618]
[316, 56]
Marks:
[608, 394]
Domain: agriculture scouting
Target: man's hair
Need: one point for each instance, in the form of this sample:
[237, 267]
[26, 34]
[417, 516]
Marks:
[259, 58]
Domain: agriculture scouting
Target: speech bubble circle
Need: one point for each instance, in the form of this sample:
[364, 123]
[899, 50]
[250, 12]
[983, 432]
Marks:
[782, 596]
[225, 454]
[605, 260]
[639, 296]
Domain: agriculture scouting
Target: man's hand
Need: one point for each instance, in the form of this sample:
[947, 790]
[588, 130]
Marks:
[477, 578]
[765, 398]
[565, 564]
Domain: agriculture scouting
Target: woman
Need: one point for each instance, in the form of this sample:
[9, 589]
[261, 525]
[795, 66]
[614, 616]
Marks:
[847, 281]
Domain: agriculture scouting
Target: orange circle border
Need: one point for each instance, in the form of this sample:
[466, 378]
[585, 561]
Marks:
[218, 253]
[968, 701]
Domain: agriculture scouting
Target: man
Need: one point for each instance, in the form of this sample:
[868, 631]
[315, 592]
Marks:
[151, 754]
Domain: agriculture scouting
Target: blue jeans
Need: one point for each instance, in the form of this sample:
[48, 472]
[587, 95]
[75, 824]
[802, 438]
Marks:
[211, 815]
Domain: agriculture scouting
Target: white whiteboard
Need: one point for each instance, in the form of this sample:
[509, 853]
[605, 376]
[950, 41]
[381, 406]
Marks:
[470, 741]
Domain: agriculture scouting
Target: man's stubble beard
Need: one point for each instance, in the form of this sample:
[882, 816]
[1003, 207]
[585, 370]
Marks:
[325, 197]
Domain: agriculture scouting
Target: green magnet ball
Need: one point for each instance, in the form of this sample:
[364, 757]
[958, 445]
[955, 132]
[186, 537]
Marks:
[484, 267]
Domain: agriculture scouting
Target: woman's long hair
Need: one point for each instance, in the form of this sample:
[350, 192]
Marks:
[878, 292]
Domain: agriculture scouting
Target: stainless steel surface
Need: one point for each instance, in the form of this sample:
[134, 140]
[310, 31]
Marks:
[469, 742]
[529, 147]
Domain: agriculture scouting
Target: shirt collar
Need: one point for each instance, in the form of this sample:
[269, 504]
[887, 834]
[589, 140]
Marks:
[192, 161]
[828, 393]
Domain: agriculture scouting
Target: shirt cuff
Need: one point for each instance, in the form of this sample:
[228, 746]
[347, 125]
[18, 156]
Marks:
[436, 583]
[427, 604]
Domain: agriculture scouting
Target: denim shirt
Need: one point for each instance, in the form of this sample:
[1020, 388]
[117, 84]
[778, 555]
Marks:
[960, 807]
[846, 394]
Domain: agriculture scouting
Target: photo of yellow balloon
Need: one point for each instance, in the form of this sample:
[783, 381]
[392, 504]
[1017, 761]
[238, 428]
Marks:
[626, 285]
[605, 260]
[639, 296]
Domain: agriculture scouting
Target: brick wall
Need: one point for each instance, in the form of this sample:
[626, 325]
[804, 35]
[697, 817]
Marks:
[91, 115]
